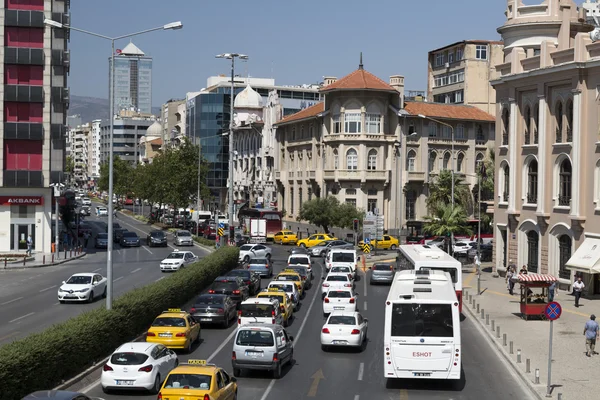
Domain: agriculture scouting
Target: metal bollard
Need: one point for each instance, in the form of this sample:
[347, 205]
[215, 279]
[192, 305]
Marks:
[493, 325]
[5, 262]
[518, 356]
[560, 396]
[527, 365]
[482, 313]
[70, 253]
[504, 339]
[52, 258]
[498, 332]
[511, 347]
[487, 319]
[477, 308]
[537, 376]
[44, 259]
[24, 259]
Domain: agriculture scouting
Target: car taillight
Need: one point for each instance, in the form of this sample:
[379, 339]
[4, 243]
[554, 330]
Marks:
[355, 332]
[180, 334]
[159, 396]
[240, 313]
[325, 330]
[147, 368]
[348, 285]
[220, 311]
[352, 300]
[248, 282]
[326, 300]
[107, 368]
[273, 313]
[275, 357]
[192, 310]
[233, 356]
[150, 334]
[211, 291]
[326, 285]
[206, 397]
[236, 292]
[282, 308]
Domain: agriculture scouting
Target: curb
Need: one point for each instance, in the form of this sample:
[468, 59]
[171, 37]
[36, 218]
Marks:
[500, 350]
[46, 265]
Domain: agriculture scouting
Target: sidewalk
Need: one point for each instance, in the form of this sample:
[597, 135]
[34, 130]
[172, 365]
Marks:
[573, 374]
[37, 260]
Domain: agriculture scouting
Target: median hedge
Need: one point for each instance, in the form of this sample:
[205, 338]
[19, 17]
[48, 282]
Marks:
[44, 360]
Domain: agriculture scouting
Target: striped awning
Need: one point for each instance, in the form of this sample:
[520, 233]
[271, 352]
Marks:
[536, 278]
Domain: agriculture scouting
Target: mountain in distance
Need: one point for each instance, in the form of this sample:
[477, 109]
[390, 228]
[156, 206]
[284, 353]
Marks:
[91, 108]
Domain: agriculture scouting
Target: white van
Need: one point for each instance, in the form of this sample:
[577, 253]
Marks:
[303, 260]
[342, 257]
[262, 310]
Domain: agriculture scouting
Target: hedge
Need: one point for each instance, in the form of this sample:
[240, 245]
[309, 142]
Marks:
[204, 241]
[44, 360]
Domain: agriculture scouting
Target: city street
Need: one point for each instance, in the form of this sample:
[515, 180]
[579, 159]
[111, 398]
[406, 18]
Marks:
[28, 296]
[347, 374]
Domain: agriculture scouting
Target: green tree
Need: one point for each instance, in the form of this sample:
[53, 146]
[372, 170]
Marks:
[440, 191]
[328, 212]
[122, 176]
[446, 220]
[69, 165]
[346, 214]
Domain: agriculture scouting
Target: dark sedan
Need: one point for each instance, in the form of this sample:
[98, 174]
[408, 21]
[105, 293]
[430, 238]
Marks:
[252, 279]
[130, 239]
[56, 395]
[213, 309]
[101, 241]
[156, 238]
[233, 286]
[118, 234]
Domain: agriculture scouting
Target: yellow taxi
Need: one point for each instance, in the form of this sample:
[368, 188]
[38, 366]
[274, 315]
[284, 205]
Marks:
[387, 242]
[198, 380]
[176, 329]
[285, 237]
[291, 275]
[315, 239]
[286, 306]
[303, 276]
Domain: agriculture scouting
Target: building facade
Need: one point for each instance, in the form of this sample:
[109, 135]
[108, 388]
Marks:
[133, 79]
[460, 73]
[80, 138]
[547, 166]
[172, 115]
[94, 160]
[151, 143]
[35, 63]
[129, 128]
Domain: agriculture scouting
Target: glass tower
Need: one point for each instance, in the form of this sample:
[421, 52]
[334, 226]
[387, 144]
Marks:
[133, 80]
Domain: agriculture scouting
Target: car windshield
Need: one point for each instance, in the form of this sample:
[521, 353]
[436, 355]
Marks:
[274, 296]
[177, 256]
[80, 280]
[342, 294]
[158, 235]
[128, 358]
[246, 247]
[102, 236]
[131, 235]
[209, 300]
[184, 233]
[188, 381]
[245, 274]
[286, 288]
[341, 320]
[382, 267]
[337, 278]
[169, 321]
[342, 257]
[298, 260]
[258, 338]
[340, 269]
[257, 310]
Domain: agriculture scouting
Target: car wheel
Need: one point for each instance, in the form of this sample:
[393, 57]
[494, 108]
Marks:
[268, 256]
[237, 372]
[188, 349]
[105, 390]
[246, 259]
[393, 247]
[324, 348]
[91, 298]
[156, 388]
[104, 293]
[225, 324]
[277, 372]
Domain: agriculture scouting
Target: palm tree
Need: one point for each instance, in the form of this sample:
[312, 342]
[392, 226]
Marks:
[447, 220]
[440, 191]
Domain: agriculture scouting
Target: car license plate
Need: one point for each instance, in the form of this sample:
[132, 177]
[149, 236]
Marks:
[340, 342]
[254, 354]
[165, 335]
[338, 308]
[205, 319]
[125, 383]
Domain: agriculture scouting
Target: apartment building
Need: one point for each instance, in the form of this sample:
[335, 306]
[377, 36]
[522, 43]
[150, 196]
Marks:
[80, 138]
[459, 73]
[547, 165]
[129, 127]
[172, 116]
[34, 101]
[94, 152]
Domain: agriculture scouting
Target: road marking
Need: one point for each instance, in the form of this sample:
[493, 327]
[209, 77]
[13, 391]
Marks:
[147, 249]
[357, 397]
[269, 388]
[21, 317]
[97, 269]
[361, 371]
[365, 307]
[55, 304]
[365, 279]
[403, 394]
[162, 277]
[314, 386]
[119, 252]
[223, 344]
[118, 279]
[9, 335]
[136, 270]
[48, 288]
[10, 301]
[467, 281]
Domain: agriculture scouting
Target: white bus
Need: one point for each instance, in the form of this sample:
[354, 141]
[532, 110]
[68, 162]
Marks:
[423, 257]
[422, 327]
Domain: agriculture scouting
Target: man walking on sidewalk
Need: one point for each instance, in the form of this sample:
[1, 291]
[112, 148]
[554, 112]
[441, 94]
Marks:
[590, 331]
[578, 287]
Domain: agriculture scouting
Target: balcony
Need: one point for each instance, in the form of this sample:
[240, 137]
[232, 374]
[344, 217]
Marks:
[24, 18]
[24, 93]
[290, 174]
[532, 198]
[299, 174]
[355, 175]
[23, 178]
[23, 56]
[414, 176]
[23, 131]
[564, 201]
[63, 18]
[61, 57]
[58, 131]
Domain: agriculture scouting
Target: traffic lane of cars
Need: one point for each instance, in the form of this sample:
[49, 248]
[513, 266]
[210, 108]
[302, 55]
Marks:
[216, 344]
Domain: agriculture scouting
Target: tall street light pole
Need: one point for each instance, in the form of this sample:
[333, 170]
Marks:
[232, 57]
[109, 250]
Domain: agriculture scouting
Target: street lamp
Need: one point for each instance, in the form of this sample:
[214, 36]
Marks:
[232, 57]
[55, 24]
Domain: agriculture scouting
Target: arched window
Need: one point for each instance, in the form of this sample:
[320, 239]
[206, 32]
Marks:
[505, 126]
[533, 241]
[478, 160]
[532, 182]
[506, 182]
[564, 183]
[527, 123]
[411, 160]
[446, 162]
[536, 119]
[372, 160]
[432, 159]
[559, 121]
[570, 121]
[564, 254]
[351, 159]
[459, 162]
[336, 159]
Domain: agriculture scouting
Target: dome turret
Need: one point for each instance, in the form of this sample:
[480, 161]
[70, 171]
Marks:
[155, 129]
[248, 98]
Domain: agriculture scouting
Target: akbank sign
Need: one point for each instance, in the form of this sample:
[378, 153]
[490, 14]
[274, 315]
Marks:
[21, 200]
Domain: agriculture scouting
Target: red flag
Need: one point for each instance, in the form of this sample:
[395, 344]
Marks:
[119, 51]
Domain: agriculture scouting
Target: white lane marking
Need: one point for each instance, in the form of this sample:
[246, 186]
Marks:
[297, 337]
[119, 252]
[361, 371]
[357, 397]
[10, 301]
[136, 270]
[48, 288]
[365, 307]
[162, 277]
[55, 304]
[147, 249]
[97, 269]
[365, 279]
[21, 317]
[223, 344]
[118, 279]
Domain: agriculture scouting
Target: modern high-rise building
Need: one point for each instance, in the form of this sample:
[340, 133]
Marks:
[94, 163]
[35, 99]
[129, 128]
[133, 80]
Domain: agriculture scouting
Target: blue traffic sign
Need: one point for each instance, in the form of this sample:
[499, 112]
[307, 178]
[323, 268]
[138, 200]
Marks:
[367, 241]
[553, 310]
[221, 225]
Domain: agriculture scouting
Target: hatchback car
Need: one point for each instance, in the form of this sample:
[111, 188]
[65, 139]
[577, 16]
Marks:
[251, 278]
[262, 266]
[101, 241]
[214, 309]
[130, 239]
[382, 273]
[233, 286]
[183, 238]
[156, 238]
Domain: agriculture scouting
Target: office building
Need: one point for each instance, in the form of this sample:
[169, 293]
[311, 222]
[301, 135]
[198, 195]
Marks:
[172, 115]
[78, 150]
[129, 128]
[34, 101]
[133, 80]
[94, 160]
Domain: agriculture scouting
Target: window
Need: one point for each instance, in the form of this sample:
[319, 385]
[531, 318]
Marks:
[439, 59]
[478, 160]
[372, 192]
[481, 52]
[564, 194]
[506, 182]
[336, 159]
[350, 192]
[291, 201]
[337, 124]
[23, 112]
[460, 131]
[570, 121]
[23, 155]
[505, 126]
[410, 201]
[373, 122]
[372, 160]
[559, 121]
[351, 159]
[459, 162]
[446, 132]
[534, 128]
[300, 199]
[446, 161]
[432, 129]
[432, 159]
[352, 123]
[411, 161]
[564, 254]
[450, 57]
[32, 75]
[24, 37]
[480, 135]
[527, 123]
[351, 202]
[532, 182]
[33, 5]
[532, 251]
[459, 54]
[371, 205]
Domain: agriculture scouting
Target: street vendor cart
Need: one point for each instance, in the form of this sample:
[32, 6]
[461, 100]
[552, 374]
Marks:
[534, 294]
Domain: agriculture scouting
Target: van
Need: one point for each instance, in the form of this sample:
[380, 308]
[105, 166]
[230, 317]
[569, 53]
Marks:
[303, 260]
[263, 347]
[340, 257]
[262, 310]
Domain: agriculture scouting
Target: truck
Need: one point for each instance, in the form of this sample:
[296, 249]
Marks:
[258, 230]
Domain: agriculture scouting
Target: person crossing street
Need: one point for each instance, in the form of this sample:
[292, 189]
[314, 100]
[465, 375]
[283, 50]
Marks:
[591, 332]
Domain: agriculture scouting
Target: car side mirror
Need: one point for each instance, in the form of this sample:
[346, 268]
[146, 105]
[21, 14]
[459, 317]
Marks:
[322, 278]
[64, 282]
[291, 338]
[233, 379]
[366, 319]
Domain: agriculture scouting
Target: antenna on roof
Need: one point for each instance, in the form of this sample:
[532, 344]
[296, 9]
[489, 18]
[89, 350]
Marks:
[360, 66]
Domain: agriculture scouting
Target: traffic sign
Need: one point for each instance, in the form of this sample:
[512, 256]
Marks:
[221, 225]
[367, 241]
[553, 310]
[366, 248]
[220, 231]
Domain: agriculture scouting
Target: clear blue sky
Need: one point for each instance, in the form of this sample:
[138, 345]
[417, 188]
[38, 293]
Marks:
[294, 42]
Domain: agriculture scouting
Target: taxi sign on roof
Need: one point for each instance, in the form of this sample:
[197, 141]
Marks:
[174, 310]
[197, 362]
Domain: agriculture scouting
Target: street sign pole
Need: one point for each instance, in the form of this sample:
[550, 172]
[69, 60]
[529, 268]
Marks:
[552, 312]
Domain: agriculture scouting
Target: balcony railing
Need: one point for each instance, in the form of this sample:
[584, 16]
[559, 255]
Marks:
[416, 176]
[505, 139]
[558, 138]
[569, 135]
[536, 137]
[564, 200]
[527, 137]
[532, 198]
[505, 196]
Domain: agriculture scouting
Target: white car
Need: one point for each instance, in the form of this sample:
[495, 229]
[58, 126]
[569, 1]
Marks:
[342, 269]
[335, 281]
[339, 300]
[183, 238]
[303, 260]
[344, 329]
[82, 287]
[248, 251]
[86, 201]
[461, 248]
[177, 260]
[138, 365]
[101, 211]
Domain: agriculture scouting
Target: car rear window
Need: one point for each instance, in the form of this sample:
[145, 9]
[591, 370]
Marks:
[342, 294]
[224, 285]
[128, 358]
[103, 236]
[240, 272]
[286, 288]
[382, 267]
[337, 278]
[258, 261]
[255, 337]
[340, 269]
[169, 321]
[274, 296]
[190, 381]
[257, 310]
[342, 257]
[341, 320]
[298, 260]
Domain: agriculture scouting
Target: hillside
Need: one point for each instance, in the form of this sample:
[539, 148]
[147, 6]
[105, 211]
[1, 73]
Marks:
[91, 108]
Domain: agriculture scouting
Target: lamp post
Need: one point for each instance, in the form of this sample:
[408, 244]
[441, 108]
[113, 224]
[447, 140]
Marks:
[57, 188]
[109, 250]
[232, 57]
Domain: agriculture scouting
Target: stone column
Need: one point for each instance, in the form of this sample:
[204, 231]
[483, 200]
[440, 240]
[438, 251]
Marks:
[576, 153]
[512, 155]
[542, 138]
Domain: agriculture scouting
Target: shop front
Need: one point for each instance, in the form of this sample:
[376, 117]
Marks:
[585, 262]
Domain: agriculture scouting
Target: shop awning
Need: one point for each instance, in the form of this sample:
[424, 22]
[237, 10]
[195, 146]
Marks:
[536, 278]
[587, 257]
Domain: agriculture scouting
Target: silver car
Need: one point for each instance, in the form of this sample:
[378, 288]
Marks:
[261, 266]
[382, 273]
[183, 238]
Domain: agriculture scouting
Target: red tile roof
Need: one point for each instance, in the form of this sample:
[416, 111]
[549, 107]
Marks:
[448, 111]
[357, 80]
[308, 112]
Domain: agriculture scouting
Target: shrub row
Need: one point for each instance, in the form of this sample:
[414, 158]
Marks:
[204, 241]
[43, 360]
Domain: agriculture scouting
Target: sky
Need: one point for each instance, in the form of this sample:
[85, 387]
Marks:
[294, 42]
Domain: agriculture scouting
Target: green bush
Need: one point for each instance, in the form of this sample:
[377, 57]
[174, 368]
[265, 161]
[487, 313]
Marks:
[43, 360]
[204, 241]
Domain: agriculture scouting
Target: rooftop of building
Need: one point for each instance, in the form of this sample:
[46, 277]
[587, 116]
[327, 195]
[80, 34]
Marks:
[131, 50]
[472, 41]
[447, 111]
[309, 112]
[359, 79]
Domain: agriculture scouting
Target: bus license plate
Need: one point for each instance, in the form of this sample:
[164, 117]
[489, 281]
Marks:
[421, 373]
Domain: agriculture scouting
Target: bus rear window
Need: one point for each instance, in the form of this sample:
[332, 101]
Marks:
[422, 320]
[451, 271]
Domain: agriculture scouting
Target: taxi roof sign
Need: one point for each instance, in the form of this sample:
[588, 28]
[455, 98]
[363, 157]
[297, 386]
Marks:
[197, 362]
[273, 289]
[176, 310]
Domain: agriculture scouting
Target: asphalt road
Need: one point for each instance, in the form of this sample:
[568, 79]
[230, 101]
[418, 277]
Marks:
[348, 374]
[28, 297]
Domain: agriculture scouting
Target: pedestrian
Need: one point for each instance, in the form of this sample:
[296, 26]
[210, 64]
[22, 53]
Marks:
[478, 263]
[86, 239]
[523, 270]
[552, 290]
[29, 245]
[510, 284]
[591, 331]
[578, 287]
